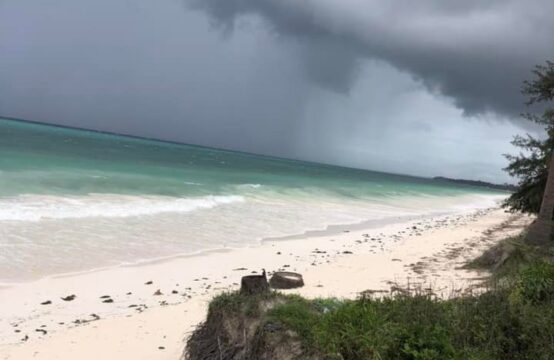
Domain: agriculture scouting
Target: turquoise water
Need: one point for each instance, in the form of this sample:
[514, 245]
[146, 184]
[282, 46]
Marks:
[65, 192]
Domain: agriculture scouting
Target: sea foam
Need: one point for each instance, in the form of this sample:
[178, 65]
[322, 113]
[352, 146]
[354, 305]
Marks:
[40, 207]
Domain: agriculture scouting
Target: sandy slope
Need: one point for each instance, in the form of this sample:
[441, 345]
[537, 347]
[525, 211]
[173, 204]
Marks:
[141, 325]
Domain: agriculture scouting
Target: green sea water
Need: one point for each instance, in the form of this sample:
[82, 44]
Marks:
[68, 192]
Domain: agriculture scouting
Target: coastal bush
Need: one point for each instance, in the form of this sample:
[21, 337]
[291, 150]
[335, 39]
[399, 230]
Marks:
[421, 327]
[536, 282]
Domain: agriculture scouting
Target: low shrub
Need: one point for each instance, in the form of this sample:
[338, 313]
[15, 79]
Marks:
[536, 282]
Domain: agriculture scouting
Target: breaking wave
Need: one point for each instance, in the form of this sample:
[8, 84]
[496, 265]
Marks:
[40, 207]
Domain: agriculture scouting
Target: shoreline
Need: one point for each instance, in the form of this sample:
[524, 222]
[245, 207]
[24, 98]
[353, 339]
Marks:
[328, 230]
[136, 320]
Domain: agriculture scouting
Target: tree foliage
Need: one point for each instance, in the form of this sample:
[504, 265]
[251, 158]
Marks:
[530, 166]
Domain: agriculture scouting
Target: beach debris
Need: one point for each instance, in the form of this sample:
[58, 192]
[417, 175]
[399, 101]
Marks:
[47, 302]
[149, 282]
[347, 252]
[25, 338]
[286, 280]
[105, 297]
[108, 301]
[158, 292]
[174, 292]
[42, 331]
[254, 284]
[240, 269]
[161, 347]
[69, 297]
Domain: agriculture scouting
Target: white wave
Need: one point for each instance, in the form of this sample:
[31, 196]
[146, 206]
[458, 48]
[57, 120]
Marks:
[192, 183]
[39, 207]
[253, 186]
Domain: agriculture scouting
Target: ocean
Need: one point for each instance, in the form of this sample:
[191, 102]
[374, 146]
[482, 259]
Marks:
[74, 200]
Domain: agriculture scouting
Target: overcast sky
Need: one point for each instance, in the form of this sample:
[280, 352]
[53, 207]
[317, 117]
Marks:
[425, 88]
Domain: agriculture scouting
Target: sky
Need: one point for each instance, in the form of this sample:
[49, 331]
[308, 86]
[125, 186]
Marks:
[430, 88]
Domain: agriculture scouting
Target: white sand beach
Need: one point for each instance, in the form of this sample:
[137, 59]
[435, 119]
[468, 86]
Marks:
[116, 315]
[119, 313]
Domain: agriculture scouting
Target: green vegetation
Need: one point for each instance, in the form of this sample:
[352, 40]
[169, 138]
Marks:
[531, 165]
[513, 323]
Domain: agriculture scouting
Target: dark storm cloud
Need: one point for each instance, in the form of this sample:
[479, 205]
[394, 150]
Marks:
[147, 68]
[350, 82]
[476, 52]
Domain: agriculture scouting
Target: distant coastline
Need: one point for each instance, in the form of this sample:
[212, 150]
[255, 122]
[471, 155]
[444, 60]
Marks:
[504, 187]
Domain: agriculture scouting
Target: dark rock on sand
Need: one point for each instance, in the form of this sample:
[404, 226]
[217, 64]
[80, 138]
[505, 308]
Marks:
[286, 280]
[69, 298]
[254, 284]
[47, 302]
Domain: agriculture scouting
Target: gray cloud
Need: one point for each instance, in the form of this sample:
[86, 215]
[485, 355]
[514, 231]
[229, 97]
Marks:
[476, 52]
[289, 78]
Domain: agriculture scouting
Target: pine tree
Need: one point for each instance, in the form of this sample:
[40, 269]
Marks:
[535, 168]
